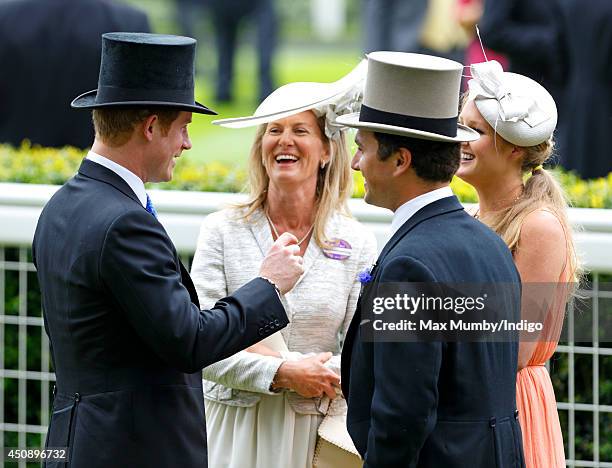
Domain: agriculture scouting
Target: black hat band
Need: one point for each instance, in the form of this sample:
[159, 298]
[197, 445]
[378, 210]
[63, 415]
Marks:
[116, 94]
[447, 127]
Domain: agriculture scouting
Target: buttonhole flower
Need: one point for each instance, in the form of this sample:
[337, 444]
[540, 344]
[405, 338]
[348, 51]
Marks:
[365, 276]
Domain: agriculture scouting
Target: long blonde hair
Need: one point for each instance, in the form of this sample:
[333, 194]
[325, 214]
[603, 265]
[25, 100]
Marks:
[540, 191]
[334, 182]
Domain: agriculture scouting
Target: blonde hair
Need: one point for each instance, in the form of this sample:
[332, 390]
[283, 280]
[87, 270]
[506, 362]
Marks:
[334, 182]
[541, 191]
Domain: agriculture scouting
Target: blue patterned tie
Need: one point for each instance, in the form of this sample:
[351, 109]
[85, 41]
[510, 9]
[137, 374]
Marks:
[150, 208]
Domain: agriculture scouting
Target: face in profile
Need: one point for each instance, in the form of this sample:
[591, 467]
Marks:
[167, 146]
[489, 157]
[293, 149]
[377, 173]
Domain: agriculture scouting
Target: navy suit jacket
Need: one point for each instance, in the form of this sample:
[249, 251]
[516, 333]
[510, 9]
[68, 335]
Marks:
[128, 338]
[435, 404]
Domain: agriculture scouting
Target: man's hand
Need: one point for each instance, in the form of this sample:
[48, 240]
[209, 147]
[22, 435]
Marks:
[308, 377]
[283, 264]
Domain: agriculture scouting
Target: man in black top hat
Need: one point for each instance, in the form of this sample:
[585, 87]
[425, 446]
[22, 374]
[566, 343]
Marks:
[128, 338]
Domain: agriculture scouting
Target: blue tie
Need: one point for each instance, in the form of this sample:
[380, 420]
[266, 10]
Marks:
[150, 208]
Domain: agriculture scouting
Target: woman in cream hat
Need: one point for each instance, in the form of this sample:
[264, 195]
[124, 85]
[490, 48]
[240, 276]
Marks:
[522, 202]
[264, 405]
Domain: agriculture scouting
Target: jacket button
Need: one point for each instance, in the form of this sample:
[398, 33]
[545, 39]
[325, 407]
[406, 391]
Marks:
[492, 422]
[276, 322]
[261, 331]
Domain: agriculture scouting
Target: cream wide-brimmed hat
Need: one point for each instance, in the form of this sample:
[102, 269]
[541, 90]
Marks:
[518, 108]
[330, 99]
[412, 95]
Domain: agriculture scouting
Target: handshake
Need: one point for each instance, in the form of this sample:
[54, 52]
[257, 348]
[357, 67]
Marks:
[283, 264]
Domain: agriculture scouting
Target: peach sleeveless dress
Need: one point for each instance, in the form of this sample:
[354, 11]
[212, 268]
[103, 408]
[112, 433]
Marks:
[535, 397]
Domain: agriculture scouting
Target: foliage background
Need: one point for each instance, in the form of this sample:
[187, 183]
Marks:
[29, 164]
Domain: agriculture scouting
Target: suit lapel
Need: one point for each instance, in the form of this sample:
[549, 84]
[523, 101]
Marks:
[258, 224]
[188, 283]
[260, 228]
[437, 208]
[100, 173]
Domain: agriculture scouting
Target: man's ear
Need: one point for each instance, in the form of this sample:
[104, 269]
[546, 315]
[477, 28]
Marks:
[149, 126]
[403, 161]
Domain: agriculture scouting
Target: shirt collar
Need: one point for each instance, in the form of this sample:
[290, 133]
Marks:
[135, 183]
[408, 209]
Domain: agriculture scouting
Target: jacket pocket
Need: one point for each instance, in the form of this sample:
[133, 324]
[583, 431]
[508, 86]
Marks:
[61, 428]
[504, 444]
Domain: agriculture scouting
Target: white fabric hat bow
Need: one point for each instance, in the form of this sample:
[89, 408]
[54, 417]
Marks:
[346, 104]
[488, 82]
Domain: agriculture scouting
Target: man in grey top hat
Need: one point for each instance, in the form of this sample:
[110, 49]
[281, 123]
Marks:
[415, 401]
[128, 338]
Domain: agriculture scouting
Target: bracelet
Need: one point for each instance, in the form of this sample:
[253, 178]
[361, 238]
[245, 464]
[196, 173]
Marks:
[278, 389]
[272, 283]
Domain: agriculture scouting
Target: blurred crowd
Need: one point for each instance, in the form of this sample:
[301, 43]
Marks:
[562, 44]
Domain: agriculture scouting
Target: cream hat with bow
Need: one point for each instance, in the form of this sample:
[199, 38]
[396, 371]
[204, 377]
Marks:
[517, 107]
[329, 99]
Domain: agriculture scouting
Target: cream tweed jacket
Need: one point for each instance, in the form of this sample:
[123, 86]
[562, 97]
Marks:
[320, 307]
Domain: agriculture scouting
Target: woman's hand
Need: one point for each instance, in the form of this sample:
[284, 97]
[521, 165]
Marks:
[308, 377]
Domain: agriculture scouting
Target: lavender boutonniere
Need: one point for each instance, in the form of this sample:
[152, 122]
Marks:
[365, 276]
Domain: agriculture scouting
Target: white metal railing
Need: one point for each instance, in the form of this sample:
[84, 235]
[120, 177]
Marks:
[182, 213]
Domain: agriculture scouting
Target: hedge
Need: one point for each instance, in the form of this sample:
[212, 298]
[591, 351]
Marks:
[38, 165]
[54, 166]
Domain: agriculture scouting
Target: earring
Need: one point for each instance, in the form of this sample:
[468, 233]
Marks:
[323, 164]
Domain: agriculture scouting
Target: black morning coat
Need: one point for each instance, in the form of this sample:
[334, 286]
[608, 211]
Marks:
[127, 336]
[436, 404]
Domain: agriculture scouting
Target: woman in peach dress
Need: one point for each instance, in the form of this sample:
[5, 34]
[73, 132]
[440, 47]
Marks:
[523, 203]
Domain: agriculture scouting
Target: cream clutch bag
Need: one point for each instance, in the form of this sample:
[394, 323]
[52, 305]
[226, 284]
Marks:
[334, 447]
[276, 342]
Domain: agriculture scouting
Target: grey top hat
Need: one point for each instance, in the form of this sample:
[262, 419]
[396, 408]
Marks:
[413, 95]
[140, 70]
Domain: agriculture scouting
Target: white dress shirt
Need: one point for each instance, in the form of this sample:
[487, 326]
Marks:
[408, 209]
[135, 183]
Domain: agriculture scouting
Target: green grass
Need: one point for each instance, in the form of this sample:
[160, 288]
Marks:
[214, 143]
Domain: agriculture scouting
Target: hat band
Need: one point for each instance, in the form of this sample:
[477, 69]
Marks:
[108, 94]
[447, 127]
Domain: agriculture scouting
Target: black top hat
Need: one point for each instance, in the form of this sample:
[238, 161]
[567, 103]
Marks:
[139, 70]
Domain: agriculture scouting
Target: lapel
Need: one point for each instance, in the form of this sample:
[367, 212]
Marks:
[437, 208]
[188, 283]
[260, 228]
[102, 174]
